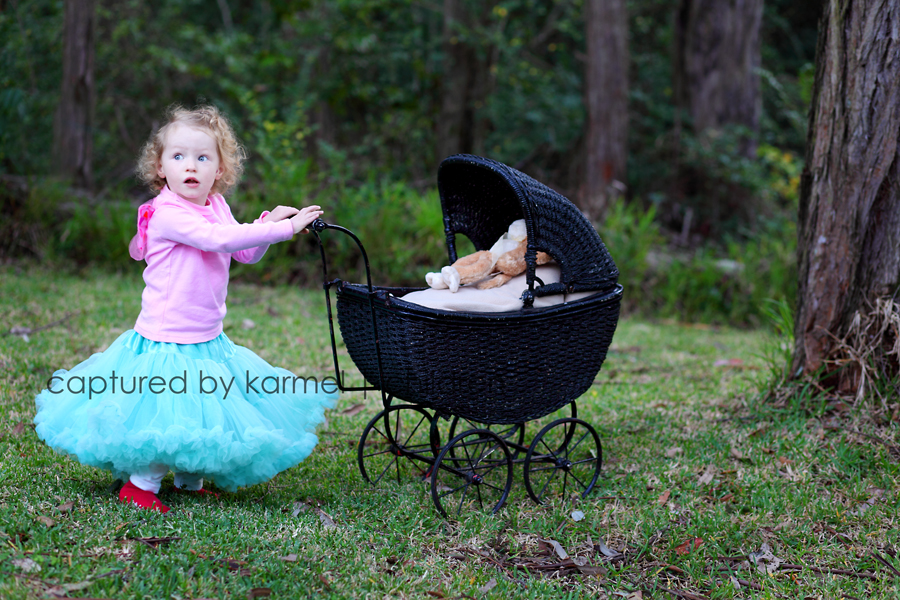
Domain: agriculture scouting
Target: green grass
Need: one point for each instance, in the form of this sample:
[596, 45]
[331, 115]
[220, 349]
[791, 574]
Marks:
[688, 453]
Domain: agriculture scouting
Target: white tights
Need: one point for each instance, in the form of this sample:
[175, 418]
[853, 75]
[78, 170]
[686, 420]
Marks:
[150, 480]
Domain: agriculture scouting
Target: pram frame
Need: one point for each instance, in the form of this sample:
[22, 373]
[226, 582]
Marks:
[494, 458]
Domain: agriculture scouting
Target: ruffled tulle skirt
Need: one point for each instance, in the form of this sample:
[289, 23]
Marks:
[214, 409]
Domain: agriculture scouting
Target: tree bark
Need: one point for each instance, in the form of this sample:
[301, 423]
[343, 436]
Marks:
[716, 58]
[465, 85]
[849, 219]
[606, 97]
[72, 136]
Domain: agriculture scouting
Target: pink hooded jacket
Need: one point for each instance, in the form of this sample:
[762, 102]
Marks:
[188, 249]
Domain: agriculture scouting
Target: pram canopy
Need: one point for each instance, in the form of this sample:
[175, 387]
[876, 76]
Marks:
[480, 197]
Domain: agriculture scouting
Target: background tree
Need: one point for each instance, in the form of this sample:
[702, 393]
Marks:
[72, 132]
[466, 79]
[606, 99]
[849, 218]
[716, 63]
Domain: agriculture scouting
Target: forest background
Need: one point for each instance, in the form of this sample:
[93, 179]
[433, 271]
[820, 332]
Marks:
[343, 104]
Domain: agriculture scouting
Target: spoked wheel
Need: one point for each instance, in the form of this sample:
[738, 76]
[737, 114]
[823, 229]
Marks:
[564, 458]
[473, 472]
[391, 441]
[514, 434]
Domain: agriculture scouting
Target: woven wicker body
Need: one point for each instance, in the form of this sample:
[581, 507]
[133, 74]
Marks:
[493, 368]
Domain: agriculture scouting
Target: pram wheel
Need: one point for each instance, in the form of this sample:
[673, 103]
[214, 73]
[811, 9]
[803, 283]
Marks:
[511, 434]
[473, 471]
[565, 457]
[389, 441]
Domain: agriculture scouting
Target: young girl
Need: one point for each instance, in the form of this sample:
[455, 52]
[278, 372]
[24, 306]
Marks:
[175, 393]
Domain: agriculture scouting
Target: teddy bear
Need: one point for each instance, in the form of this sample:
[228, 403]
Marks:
[488, 269]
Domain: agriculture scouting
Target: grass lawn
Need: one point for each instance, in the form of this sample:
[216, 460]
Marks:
[705, 492]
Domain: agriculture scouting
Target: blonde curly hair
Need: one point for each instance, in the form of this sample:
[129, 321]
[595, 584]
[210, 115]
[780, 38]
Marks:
[206, 118]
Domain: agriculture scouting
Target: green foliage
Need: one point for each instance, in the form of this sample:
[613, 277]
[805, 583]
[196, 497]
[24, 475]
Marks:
[30, 75]
[710, 284]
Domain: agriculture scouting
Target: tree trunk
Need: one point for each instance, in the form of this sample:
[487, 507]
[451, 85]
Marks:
[606, 97]
[72, 142]
[466, 83]
[849, 221]
[716, 58]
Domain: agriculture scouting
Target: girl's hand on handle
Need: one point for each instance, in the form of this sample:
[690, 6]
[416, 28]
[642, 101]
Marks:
[306, 216]
[279, 213]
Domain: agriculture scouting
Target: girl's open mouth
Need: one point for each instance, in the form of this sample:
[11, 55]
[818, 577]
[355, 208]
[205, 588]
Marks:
[190, 180]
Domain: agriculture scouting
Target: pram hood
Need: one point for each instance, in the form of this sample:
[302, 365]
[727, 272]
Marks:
[480, 197]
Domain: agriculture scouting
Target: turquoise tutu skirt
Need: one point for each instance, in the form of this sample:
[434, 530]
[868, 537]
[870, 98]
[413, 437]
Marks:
[213, 409]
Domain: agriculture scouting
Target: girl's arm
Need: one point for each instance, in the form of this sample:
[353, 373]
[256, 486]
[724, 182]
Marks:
[298, 219]
[180, 226]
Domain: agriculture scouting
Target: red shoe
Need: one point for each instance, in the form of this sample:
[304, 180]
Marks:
[132, 494]
[200, 492]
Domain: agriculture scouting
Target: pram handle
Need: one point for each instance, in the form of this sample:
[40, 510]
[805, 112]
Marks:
[317, 227]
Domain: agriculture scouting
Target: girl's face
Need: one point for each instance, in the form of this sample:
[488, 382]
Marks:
[190, 162]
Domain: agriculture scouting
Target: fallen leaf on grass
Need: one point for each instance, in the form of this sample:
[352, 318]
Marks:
[62, 591]
[248, 324]
[729, 362]
[689, 546]
[18, 429]
[708, 475]
[735, 453]
[260, 592]
[577, 515]
[45, 520]
[288, 558]
[604, 549]
[325, 581]
[26, 564]
[324, 517]
[877, 493]
[353, 410]
[488, 586]
[66, 506]
[664, 497]
[154, 542]
[765, 562]
[557, 547]
[435, 594]
[673, 452]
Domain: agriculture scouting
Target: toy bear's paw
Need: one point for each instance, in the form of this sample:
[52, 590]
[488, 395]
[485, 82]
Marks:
[451, 278]
[435, 281]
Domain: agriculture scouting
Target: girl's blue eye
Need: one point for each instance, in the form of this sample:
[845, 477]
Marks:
[203, 158]
[178, 157]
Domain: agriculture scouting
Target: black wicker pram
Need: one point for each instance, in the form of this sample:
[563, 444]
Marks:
[470, 381]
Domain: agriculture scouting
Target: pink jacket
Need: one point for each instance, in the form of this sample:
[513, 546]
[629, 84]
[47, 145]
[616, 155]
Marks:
[188, 249]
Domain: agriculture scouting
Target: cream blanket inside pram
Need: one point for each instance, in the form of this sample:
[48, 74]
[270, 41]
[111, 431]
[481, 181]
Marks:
[507, 297]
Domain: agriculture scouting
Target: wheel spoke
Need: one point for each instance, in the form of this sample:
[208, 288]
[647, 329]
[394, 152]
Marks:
[453, 491]
[385, 470]
[581, 439]
[459, 507]
[492, 486]
[575, 477]
[550, 450]
[549, 480]
[415, 429]
[550, 468]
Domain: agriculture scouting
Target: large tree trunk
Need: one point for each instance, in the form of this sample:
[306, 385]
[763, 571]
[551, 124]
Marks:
[72, 142]
[849, 221]
[465, 85]
[716, 58]
[606, 97]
